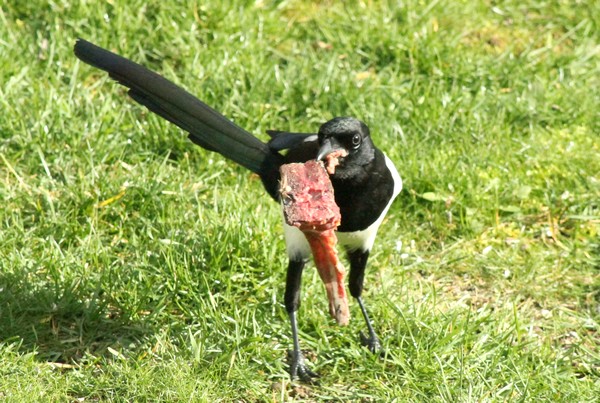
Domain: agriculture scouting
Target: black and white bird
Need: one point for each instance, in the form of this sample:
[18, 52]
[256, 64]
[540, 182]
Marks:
[365, 182]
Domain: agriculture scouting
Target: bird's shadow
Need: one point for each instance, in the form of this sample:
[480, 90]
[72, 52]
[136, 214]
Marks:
[61, 325]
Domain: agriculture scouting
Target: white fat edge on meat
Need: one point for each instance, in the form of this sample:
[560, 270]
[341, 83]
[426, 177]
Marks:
[298, 247]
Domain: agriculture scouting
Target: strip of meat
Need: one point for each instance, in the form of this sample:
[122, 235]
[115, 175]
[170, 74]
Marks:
[333, 160]
[331, 271]
[309, 204]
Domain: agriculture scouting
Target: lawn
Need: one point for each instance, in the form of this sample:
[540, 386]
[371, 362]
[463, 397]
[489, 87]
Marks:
[135, 266]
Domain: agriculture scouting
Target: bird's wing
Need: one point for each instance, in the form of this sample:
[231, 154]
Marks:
[281, 140]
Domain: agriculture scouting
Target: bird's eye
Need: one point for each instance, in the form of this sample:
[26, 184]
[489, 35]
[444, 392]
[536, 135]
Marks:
[356, 139]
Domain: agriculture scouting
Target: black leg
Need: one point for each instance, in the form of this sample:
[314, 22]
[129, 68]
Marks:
[358, 262]
[372, 341]
[298, 367]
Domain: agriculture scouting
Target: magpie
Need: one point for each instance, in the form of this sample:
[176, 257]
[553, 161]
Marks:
[365, 181]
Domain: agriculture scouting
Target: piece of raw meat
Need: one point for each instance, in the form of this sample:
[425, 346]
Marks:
[309, 204]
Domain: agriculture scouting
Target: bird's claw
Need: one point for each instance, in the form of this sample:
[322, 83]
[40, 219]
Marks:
[372, 343]
[299, 369]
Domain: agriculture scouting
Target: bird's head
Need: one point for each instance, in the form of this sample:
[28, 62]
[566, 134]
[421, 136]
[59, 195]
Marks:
[345, 146]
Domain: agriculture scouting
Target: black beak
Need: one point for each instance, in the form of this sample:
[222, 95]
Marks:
[327, 147]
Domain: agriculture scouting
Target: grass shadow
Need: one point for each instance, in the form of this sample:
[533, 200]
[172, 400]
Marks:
[62, 325]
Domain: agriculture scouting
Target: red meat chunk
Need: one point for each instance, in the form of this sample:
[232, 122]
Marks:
[309, 204]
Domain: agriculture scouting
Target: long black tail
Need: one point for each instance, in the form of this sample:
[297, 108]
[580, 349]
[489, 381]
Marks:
[206, 127]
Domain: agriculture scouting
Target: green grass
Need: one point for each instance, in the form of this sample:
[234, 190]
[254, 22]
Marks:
[136, 266]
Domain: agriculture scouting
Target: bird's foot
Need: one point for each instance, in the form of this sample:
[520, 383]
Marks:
[372, 343]
[299, 369]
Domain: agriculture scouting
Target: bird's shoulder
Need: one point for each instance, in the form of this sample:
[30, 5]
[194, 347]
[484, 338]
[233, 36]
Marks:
[300, 147]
